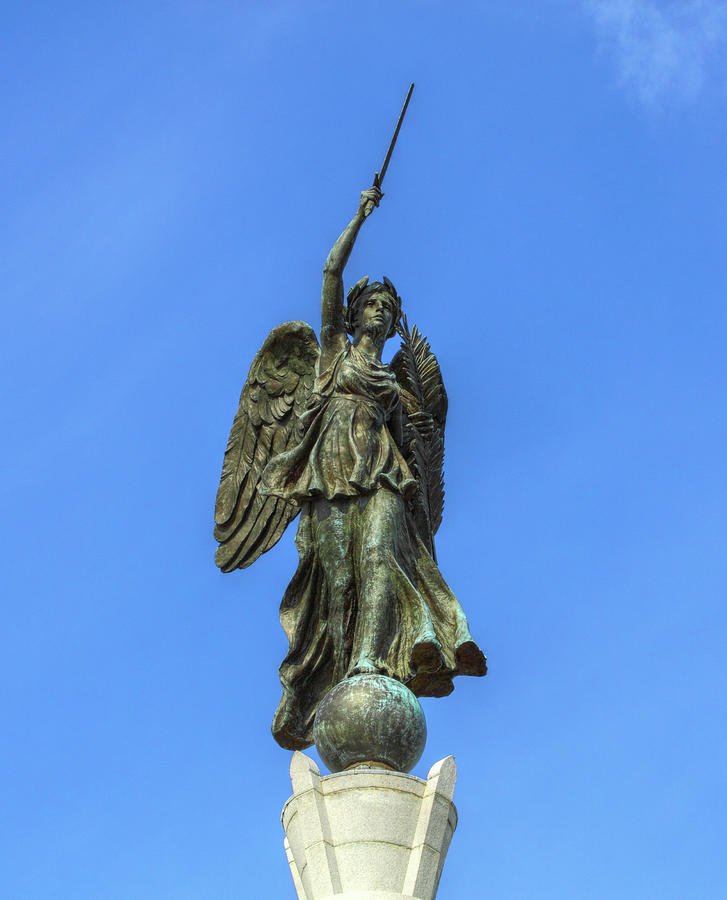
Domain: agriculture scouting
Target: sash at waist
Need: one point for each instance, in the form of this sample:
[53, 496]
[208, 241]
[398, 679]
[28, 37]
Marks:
[357, 398]
[371, 404]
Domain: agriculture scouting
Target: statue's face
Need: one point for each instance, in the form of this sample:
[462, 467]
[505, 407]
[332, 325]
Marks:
[377, 315]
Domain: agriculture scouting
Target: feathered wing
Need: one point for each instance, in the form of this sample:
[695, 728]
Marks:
[267, 422]
[425, 414]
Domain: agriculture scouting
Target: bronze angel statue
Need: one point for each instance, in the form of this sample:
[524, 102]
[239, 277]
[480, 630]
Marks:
[355, 447]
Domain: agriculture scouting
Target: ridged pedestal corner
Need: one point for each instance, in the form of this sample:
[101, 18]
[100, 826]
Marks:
[367, 833]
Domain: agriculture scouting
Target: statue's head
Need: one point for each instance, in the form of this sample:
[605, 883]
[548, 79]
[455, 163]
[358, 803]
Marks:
[374, 309]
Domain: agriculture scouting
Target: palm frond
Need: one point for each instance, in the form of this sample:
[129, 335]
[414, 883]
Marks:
[425, 405]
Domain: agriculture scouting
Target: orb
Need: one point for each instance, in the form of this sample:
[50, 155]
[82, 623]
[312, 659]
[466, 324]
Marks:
[370, 719]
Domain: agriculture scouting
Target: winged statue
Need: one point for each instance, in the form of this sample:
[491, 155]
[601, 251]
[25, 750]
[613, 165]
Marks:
[355, 447]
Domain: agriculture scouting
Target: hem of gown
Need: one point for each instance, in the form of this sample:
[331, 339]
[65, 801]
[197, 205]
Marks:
[289, 741]
[470, 661]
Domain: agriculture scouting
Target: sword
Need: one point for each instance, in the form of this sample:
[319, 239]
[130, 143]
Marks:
[379, 176]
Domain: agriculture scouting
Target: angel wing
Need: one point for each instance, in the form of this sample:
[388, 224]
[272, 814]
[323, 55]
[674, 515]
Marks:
[425, 413]
[267, 422]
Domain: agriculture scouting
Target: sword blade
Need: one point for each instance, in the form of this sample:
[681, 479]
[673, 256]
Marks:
[379, 177]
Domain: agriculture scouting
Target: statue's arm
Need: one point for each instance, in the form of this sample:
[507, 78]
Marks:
[396, 427]
[333, 327]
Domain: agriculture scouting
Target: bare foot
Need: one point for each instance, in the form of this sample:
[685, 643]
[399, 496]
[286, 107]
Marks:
[365, 666]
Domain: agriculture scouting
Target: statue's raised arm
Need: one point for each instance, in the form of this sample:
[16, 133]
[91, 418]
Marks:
[333, 319]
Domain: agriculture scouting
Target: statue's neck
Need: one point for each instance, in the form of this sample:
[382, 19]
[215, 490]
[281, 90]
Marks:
[368, 346]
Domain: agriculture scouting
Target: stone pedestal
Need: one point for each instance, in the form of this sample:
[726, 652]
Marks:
[368, 833]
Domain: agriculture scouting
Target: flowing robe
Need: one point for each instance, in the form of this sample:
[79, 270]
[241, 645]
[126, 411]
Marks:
[366, 591]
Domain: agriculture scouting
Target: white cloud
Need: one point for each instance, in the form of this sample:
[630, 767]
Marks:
[664, 51]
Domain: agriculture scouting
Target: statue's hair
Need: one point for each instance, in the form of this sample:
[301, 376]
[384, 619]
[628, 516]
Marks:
[359, 294]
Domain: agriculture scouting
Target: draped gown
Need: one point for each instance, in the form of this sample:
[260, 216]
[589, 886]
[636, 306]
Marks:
[366, 595]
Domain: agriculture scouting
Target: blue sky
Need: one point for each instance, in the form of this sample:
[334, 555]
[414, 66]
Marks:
[173, 176]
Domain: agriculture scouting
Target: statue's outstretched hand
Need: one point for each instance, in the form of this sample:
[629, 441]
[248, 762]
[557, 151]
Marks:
[370, 199]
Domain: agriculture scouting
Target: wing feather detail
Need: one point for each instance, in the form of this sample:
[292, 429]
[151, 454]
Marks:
[425, 407]
[274, 397]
